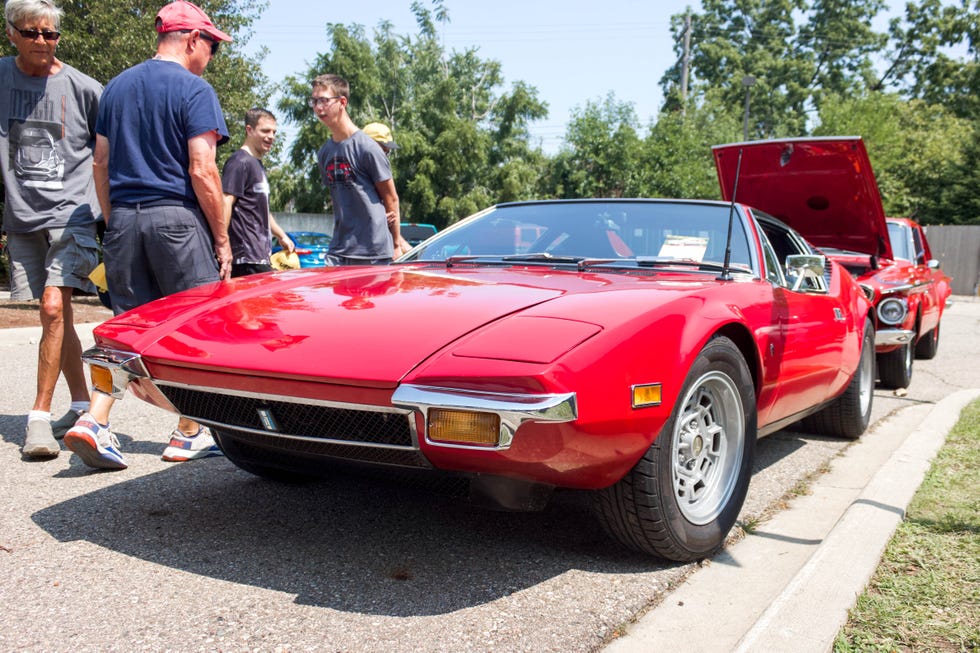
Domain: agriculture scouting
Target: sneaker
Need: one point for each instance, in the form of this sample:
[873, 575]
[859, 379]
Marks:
[95, 444]
[183, 448]
[39, 442]
[61, 425]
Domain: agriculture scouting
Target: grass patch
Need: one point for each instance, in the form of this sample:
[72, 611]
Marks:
[925, 595]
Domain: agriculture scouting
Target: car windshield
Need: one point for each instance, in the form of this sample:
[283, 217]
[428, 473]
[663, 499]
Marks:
[898, 235]
[641, 231]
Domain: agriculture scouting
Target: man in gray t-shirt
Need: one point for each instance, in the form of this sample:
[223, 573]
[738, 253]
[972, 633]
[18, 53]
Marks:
[357, 172]
[47, 135]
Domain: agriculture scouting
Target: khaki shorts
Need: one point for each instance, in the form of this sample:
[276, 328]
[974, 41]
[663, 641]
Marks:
[52, 257]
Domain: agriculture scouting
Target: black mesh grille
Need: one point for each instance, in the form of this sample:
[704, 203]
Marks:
[312, 421]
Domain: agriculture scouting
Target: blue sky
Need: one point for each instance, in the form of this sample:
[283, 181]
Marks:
[572, 51]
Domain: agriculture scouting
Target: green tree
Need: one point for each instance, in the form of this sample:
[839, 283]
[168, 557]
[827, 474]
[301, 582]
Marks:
[916, 150]
[601, 157]
[463, 139]
[920, 63]
[677, 153]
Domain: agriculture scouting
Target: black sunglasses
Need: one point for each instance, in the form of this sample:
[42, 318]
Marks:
[214, 44]
[207, 37]
[32, 34]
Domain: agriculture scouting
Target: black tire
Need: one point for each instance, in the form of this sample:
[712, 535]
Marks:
[926, 347]
[848, 415]
[895, 367]
[239, 455]
[683, 496]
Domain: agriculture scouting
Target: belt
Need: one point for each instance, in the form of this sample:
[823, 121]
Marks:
[187, 204]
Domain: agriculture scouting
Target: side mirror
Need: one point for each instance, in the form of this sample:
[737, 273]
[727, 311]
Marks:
[933, 263]
[806, 272]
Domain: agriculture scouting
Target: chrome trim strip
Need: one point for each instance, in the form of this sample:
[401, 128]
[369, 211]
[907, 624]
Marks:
[123, 366]
[893, 336]
[286, 398]
[306, 438]
[513, 409]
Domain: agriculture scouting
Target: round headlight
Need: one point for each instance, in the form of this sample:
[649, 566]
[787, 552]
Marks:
[892, 311]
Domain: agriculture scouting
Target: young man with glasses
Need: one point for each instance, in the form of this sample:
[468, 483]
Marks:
[358, 174]
[47, 135]
[159, 188]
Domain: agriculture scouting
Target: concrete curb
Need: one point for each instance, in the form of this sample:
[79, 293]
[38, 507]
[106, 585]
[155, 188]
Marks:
[788, 586]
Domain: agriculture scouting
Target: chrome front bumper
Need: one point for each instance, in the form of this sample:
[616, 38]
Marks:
[893, 337]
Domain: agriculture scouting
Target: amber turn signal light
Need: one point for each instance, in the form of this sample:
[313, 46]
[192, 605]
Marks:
[101, 379]
[646, 395]
[463, 427]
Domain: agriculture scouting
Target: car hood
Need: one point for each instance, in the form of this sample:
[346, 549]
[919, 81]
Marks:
[365, 326]
[822, 187]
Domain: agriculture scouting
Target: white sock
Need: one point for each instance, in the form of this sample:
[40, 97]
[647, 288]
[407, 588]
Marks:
[43, 415]
[79, 406]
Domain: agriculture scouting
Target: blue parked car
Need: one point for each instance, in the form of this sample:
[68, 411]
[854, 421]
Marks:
[416, 232]
[311, 247]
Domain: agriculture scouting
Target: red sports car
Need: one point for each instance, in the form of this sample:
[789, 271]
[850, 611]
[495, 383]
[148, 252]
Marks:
[634, 348]
[825, 189]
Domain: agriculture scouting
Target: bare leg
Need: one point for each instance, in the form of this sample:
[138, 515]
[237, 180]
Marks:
[71, 355]
[100, 407]
[49, 358]
[187, 427]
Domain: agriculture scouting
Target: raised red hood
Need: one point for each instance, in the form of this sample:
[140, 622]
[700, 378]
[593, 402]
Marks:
[822, 187]
[363, 326]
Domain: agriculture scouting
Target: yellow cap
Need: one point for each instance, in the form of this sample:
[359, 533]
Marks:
[283, 261]
[380, 133]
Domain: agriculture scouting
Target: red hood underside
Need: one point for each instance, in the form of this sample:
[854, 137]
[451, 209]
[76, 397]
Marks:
[822, 187]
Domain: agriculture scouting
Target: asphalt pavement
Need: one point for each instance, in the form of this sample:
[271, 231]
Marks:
[202, 556]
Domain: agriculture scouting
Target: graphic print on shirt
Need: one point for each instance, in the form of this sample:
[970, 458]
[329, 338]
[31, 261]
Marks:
[339, 171]
[34, 134]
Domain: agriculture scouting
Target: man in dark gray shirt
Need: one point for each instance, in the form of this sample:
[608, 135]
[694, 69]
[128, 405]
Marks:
[47, 112]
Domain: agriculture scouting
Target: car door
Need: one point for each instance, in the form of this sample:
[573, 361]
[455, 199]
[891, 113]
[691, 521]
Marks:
[802, 359]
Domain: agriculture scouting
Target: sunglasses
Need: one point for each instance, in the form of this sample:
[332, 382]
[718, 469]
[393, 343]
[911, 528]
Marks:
[207, 37]
[214, 44]
[32, 34]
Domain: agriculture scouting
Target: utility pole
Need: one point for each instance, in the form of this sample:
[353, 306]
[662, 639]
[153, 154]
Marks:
[748, 82]
[685, 62]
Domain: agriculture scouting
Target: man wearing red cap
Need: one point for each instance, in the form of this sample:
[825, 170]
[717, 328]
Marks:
[160, 192]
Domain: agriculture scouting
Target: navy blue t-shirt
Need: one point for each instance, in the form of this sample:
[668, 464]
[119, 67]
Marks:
[148, 155]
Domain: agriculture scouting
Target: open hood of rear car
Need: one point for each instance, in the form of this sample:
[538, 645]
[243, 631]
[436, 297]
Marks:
[822, 187]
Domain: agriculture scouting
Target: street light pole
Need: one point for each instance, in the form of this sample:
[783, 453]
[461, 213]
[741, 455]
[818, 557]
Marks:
[748, 82]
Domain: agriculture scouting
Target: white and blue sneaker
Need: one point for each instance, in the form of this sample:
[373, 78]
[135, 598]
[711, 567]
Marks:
[190, 447]
[95, 444]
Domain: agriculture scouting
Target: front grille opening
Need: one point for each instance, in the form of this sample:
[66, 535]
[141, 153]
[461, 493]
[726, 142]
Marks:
[306, 420]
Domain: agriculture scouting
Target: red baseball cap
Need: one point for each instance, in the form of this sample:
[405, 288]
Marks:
[180, 15]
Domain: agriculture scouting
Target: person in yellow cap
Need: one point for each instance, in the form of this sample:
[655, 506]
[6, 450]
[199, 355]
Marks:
[380, 133]
[159, 189]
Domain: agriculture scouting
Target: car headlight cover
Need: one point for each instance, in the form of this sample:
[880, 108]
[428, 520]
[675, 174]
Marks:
[892, 311]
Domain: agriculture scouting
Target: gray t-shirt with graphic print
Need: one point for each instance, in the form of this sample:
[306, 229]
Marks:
[350, 169]
[47, 136]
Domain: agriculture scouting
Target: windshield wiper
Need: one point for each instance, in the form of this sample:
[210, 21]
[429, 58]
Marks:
[532, 257]
[653, 261]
